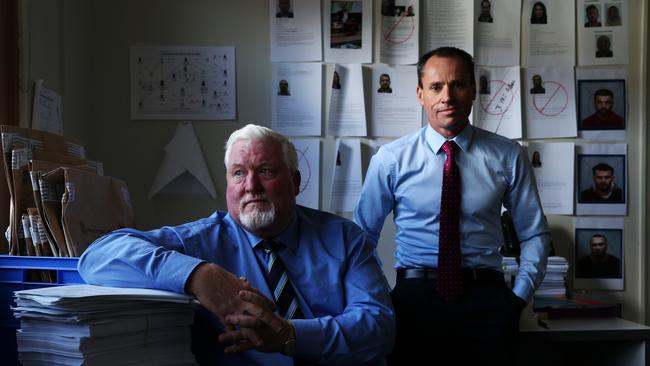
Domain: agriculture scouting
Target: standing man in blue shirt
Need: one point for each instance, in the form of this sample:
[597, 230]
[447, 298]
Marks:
[480, 325]
[337, 304]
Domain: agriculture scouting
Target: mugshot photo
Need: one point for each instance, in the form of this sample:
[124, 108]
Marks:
[384, 84]
[283, 87]
[284, 9]
[485, 15]
[613, 14]
[603, 45]
[601, 178]
[598, 253]
[601, 104]
[592, 16]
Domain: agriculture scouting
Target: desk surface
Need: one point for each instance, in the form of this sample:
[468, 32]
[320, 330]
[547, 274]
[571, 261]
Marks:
[588, 329]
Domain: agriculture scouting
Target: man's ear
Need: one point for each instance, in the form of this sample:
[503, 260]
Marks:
[420, 93]
[296, 181]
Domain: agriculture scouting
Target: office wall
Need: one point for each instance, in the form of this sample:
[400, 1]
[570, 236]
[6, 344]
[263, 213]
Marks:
[84, 55]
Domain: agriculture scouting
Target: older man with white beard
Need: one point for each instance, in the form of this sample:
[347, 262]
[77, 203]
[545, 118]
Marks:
[278, 282]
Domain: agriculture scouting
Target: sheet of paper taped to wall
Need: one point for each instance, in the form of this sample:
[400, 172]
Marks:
[183, 169]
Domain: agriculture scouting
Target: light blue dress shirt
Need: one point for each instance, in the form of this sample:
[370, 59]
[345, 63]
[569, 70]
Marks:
[405, 176]
[332, 264]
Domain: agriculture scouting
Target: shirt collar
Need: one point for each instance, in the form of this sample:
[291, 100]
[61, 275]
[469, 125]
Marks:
[288, 237]
[435, 140]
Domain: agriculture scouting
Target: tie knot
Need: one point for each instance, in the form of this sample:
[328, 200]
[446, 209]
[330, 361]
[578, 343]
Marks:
[270, 245]
[449, 147]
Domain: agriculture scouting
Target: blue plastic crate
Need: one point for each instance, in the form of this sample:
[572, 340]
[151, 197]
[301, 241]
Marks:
[19, 273]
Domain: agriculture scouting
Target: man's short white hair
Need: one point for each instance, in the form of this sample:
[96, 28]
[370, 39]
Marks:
[252, 132]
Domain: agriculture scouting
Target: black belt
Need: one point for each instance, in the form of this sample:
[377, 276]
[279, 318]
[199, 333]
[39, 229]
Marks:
[469, 274]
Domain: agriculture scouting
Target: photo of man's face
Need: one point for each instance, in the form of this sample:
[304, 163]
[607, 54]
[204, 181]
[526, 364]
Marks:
[603, 180]
[602, 104]
[384, 81]
[598, 256]
[598, 245]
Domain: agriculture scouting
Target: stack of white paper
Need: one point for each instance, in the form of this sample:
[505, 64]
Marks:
[554, 281]
[94, 325]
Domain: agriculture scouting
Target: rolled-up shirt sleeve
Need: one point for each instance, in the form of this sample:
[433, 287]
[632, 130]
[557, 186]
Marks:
[132, 258]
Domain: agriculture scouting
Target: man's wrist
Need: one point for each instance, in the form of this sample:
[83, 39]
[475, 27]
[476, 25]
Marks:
[289, 346]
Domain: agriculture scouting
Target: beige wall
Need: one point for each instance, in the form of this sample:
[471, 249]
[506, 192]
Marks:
[81, 48]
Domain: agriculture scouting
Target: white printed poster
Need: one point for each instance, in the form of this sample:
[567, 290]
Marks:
[308, 151]
[346, 179]
[448, 23]
[47, 110]
[497, 32]
[549, 95]
[548, 28]
[399, 41]
[393, 106]
[296, 98]
[602, 32]
[497, 107]
[553, 166]
[347, 31]
[347, 113]
[295, 30]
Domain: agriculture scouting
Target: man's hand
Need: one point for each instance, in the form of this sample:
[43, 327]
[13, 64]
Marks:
[218, 291]
[254, 331]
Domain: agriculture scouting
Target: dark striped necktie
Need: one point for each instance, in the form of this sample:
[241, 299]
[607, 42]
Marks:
[280, 283]
[450, 279]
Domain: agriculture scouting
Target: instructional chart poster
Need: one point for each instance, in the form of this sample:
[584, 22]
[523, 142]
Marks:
[195, 83]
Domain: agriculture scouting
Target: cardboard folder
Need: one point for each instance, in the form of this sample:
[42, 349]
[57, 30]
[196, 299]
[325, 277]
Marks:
[42, 163]
[91, 206]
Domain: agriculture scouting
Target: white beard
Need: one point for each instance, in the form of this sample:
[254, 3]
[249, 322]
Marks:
[256, 219]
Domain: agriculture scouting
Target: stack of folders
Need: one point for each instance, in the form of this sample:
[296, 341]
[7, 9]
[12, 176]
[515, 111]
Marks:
[554, 283]
[58, 201]
[94, 325]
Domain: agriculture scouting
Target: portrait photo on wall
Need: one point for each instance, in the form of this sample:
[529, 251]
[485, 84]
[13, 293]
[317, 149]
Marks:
[283, 87]
[601, 104]
[538, 14]
[592, 16]
[284, 9]
[603, 45]
[613, 14]
[346, 24]
[598, 254]
[601, 179]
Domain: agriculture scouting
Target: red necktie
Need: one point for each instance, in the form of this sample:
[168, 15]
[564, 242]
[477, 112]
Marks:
[450, 279]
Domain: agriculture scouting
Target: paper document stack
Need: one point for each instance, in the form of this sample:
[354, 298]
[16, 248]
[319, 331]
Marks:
[95, 325]
[554, 281]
